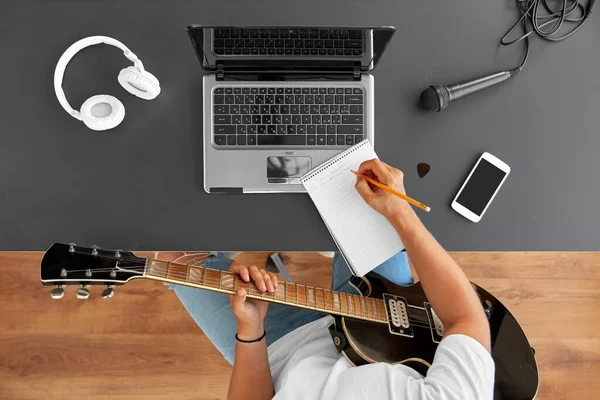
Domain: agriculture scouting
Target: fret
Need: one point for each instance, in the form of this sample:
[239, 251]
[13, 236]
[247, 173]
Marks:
[376, 314]
[342, 297]
[228, 281]
[322, 296]
[235, 279]
[285, 296]
[220, 276]
[302, 292]
[204, 277]
[349, 308]
[296, 293]
[376, 308]
[212, 278]
[311, 300]
[363, 307]
[280, 293]
[369, 307]
[306, 294]
[197, 274]
[155, 266]
[291, 292]
[336, 302]
[178, 272]
[356, 305]
[329, 297]
[168, 269]
[187, 273]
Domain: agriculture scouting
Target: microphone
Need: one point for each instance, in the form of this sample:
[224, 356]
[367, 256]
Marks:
[437, 97]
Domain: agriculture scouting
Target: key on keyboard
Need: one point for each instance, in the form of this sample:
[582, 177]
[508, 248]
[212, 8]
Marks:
[288, 42]
[288, 116]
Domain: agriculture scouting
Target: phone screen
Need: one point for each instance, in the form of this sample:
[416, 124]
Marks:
[480, 188]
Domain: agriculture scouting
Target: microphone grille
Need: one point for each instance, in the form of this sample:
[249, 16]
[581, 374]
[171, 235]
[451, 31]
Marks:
[435, 100]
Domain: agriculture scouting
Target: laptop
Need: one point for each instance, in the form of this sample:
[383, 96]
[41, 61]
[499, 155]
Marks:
[281, 100]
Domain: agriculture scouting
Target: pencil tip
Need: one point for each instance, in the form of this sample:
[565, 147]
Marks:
[428, 209]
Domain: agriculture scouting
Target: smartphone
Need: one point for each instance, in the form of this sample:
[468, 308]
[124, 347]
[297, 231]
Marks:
[480, 188]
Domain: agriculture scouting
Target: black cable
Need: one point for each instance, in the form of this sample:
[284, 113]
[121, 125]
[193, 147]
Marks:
[533, 21]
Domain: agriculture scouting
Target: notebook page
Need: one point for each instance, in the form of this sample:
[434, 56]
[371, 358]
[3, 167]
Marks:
[365, 237]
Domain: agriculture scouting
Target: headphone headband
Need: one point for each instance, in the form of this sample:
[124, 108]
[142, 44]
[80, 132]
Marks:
[75, 48]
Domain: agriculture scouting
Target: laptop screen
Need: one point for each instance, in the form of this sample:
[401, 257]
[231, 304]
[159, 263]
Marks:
[281, 49]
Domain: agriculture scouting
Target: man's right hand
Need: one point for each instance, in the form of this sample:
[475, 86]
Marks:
[380, 200]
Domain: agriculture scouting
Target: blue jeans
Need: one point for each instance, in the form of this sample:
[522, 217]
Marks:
[212, 311]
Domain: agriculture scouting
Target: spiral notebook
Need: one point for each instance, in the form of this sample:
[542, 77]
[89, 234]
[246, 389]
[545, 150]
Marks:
[364, 237]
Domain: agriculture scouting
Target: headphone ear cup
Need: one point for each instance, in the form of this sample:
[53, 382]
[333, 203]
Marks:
[102, 112]
[141, 84]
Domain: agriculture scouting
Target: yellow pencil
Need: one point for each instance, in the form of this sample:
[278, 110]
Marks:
[395, 192]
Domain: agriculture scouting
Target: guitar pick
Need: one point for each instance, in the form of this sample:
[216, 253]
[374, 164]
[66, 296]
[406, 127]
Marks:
[423, 169]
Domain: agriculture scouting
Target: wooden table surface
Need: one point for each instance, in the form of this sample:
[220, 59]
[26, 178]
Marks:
[142, 344]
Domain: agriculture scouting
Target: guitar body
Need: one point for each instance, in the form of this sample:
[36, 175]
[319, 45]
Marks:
[365, 342]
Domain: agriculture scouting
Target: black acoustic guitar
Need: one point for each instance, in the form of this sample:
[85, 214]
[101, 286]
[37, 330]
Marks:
[383, 322]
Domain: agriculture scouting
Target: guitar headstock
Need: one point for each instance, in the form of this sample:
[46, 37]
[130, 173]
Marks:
[72, 265]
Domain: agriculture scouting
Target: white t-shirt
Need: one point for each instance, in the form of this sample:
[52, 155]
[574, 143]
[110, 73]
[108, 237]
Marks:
[306, 365]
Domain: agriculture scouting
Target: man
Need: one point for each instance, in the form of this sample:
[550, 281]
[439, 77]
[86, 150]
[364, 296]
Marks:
[297, 358]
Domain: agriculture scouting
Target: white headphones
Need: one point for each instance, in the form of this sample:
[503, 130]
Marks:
[104, 112]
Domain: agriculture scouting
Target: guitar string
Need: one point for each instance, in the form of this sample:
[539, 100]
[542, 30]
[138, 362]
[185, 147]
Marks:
[141, 261]
[212, 281]
[256, 292]
[174, 273]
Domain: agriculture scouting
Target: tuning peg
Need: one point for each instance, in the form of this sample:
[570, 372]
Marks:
[95, 250]
[108, 292]
[58, 292]
[83, 293]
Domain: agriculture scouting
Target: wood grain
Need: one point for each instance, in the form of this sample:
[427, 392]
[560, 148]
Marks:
[142, 344]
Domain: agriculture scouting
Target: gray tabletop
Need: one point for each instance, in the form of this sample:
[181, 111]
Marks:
[139, 186]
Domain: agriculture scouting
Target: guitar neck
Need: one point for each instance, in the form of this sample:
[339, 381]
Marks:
[288, 293]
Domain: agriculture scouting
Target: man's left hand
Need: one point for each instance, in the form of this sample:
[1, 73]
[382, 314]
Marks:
[251, 313]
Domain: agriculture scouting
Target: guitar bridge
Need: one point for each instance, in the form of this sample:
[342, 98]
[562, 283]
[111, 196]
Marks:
[435, 325]
[397, 312]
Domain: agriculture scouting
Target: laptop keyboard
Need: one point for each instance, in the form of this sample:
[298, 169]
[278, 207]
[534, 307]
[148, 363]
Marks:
[288, 116]
[286, 42]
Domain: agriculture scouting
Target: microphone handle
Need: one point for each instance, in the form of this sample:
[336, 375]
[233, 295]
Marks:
[458, 90]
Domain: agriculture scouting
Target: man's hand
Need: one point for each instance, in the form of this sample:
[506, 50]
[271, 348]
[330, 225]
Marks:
[251, 377]
[380, 200]
[445, 285]
[251, 313]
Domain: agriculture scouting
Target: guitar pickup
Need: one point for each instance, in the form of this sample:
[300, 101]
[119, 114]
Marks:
[398, 317]
[435, 324]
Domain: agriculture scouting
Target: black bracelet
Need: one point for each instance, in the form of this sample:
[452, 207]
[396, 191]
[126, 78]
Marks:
[251, 341]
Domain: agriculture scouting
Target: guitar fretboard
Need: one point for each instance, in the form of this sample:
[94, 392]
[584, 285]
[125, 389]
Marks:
[292, 294]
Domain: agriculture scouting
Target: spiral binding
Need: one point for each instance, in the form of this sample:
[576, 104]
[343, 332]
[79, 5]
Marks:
[333, 161]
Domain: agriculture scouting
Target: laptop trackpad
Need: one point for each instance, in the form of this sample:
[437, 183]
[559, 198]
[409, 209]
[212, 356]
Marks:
[287, 170]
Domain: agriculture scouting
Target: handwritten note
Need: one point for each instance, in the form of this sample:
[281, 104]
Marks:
[364, 236]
